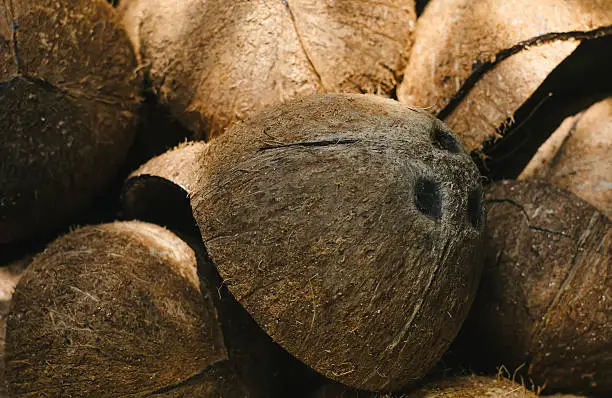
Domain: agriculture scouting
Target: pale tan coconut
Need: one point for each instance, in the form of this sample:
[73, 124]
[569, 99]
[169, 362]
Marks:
[215, 62]
[489, 68]
[582, 161]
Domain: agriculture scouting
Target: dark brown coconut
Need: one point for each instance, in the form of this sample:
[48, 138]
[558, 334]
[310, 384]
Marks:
[582, 162]
[543, 303]
[348, 226]
[67, 91]
[215, 62]
[496, 69]
[115, 308]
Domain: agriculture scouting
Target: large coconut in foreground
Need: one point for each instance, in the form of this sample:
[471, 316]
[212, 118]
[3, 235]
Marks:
[214, 62]
[67, 92]
[116, 310]
[347, 225]
[543, 308]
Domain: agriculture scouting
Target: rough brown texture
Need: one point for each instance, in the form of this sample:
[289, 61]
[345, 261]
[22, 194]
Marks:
[458, 387]
[543, 304]
[114, 308]
[582, 163]
[348, 226]
[476, 63]
[215, 62]
[473, 387]
[9, 276]
[67, 91]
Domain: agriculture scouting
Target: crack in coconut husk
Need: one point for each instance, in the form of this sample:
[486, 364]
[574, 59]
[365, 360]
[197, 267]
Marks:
[301, 41]
[480, 68]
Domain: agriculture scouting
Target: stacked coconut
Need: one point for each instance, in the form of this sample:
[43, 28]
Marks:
[316, 237]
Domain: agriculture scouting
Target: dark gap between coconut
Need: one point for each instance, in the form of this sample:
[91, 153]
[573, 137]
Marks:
[263, 366]
[580, 80]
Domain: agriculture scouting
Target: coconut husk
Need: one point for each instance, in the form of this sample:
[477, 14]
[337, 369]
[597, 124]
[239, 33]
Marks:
[299, 227]
[480, 67]
[473, 387]
[216, 62]
[116, 308]
[66, 121]
[581, 163]
[457, 387]
[159, 192]
[541, 310]
[9, 276]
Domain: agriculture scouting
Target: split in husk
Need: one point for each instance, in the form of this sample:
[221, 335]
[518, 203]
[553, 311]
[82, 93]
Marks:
[578, 157]
[348, 226]
[116, 309]
[498, 71]
[216, 62]
[67, 94]
[542, 308]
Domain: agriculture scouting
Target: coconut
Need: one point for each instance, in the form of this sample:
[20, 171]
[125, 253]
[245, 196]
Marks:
[473, 387]
[542, 308]
[116, 308]
[503, 75]
[67, 92]
[581, 163]
[216, 62]
[457, 387]
[348, 226]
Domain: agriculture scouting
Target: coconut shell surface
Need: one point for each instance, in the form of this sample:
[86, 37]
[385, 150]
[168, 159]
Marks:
[114, 308]
[67, 92]
[582, 163]
[476, 63]
[216, 62]
[473, 387]
[348, 226]
[543, 303]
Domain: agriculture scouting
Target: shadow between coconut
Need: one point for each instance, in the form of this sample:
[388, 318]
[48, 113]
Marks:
[265, 368]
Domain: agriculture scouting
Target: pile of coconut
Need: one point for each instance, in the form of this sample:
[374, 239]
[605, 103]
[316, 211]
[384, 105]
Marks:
[306, 198]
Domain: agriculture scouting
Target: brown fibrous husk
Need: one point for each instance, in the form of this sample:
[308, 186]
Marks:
[485, 68]
[216, 62]
[581, 162]
[348, 226]
[542, 309]
[67, 94]
[116, 308]
[456, 387]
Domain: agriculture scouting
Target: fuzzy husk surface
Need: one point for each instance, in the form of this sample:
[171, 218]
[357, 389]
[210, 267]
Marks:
[67, 94]
[542, 306]
[309, 213]
[457, 387]
[115, 308]
[582, 161]
[486, 58]
[216, 62]
[9, 276]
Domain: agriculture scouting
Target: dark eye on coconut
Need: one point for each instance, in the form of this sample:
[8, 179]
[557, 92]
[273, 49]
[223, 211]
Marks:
[427, 198]
[446, 141]
[474, 208]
